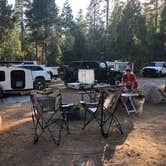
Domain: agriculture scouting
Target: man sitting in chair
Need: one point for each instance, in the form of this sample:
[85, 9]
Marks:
[129, 80]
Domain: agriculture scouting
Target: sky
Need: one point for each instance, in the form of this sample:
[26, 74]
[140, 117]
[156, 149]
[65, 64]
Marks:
[75, 4]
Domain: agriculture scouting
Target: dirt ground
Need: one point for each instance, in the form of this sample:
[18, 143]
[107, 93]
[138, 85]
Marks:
[142, 144]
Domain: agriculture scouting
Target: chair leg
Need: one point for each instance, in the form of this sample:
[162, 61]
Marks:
[36, 137]
[66, 122]
[105, 127]
[118, 124]
[58, 139]
[93, 116]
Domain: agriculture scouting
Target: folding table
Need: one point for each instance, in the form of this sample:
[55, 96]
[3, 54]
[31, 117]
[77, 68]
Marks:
[127, 100]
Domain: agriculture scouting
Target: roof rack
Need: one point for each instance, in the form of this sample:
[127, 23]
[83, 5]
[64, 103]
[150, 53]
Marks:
[9, 63]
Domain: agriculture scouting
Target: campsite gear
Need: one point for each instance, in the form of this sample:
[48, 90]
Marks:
[103, 110]
[49, 114]
[13, 79]
[127, 100]
[102, 73]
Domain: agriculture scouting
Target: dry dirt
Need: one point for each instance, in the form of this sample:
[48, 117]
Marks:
[143, 142]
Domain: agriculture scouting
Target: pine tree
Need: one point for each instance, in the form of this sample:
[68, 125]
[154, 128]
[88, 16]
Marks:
[67, 16]
[7, 24]
[42, 18]
[67, 24]
[132, 32]
[79, 34]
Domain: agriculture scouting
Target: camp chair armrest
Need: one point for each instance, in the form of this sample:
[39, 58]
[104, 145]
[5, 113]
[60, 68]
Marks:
[67, 105]
[89, 104]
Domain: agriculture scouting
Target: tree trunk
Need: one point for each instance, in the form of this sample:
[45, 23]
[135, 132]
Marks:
[156, 14]
[107, 13]
[43, 52]
[45, 58]
[36, 48]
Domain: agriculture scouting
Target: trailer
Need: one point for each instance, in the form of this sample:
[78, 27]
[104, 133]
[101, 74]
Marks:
[13, 79]
[119, 65]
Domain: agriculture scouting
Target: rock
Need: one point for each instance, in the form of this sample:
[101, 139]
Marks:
[154, 94]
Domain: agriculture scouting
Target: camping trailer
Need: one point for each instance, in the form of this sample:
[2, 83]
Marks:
[13, 79]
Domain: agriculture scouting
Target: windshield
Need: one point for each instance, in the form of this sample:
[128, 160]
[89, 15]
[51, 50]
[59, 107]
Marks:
[32, 68]
[123, 66]
[156, 64]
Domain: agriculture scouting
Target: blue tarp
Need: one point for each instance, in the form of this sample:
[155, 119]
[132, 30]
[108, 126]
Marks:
[15, 99]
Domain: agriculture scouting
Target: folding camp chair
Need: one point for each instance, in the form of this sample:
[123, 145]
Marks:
[103, 112]
[49, 114]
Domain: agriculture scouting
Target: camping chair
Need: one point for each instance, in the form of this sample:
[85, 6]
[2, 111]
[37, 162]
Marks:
[49, 114]
[103, 112]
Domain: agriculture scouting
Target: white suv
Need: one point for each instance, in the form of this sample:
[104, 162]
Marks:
[155, 68]
[40, 75]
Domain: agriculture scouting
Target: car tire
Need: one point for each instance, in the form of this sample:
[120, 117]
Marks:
[144, 75]
[39, 84]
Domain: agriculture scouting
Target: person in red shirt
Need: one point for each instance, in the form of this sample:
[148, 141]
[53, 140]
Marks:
[129, 80]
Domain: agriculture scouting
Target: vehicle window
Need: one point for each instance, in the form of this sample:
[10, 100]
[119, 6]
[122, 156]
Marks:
[89, 65]
[123, 66]
[75, 65]
[28, 63]
[32, 68]
[110, 64]
[152, 64]
[102, 65]
[2, 76]
[159, 64]
[156, 64]
[38, 68]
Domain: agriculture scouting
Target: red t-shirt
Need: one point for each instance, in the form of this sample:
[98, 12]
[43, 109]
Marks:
[129, 80]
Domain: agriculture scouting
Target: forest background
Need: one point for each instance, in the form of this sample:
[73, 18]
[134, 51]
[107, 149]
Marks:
[129, 30]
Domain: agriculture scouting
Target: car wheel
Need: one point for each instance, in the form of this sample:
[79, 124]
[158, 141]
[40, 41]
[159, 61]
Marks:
[144, 75]
[39, 84]
[160, 73]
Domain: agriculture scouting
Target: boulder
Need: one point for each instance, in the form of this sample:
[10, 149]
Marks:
[154, 94]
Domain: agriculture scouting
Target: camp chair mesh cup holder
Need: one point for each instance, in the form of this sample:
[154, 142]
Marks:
[105, 116]
[47, 112]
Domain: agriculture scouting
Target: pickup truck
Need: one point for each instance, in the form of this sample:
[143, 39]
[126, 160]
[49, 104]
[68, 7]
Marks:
[40, 75]
[155, 68]
[103, 74]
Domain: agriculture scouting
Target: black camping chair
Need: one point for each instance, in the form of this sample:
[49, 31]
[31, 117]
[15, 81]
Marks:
[48, 113]
[103, 111]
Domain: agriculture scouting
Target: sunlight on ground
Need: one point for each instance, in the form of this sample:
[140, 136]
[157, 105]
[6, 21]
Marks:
[8, 126]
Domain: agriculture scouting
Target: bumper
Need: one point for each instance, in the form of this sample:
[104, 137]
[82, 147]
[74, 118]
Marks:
[151, 73]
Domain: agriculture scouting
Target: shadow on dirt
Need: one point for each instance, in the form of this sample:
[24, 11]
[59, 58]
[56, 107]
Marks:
[86, 147]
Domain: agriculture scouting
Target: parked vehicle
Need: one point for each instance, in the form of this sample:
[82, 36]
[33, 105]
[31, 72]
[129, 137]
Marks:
[13, 79]
[53, 71]
[118, 65]
[155, 68]
[103, 74]
[40, 74]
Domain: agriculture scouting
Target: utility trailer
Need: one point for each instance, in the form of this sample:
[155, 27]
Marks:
[13, 79]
